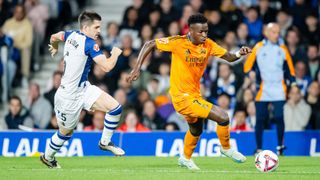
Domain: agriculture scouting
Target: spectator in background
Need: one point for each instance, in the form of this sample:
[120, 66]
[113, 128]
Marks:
[239, 122]
[217, 27]
[231, 15]
[153, 87]
[173, 29]
[226, 83]
[293, 43]
[296, 111]
[302, 79]
[313, 99]
[146, 33]
[38, 15]
[132, 123]
[312, 33]
[163, 77]
[40, 109]
[254, 24]
[130, 27]
[57, 75]
[242, 35]
[186, 13]
[154, 21]
[313, 60]
[168, 13]
[131, 93]
[299, 10]
[18, 115]
[244, 5]
[151, 119]
[20, 29]
[272, 63]
[112, 37]
[266, 13]
[171, 126]
[285, 21]
[197, 5]
[97, 122]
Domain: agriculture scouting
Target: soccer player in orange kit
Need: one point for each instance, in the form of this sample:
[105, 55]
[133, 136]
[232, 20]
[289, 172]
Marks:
[190, 55]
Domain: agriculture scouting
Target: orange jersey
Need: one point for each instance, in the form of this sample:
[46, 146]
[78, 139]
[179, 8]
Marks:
[188, 62]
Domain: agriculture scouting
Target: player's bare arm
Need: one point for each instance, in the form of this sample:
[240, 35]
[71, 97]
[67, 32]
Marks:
[146, 49]
[230, 57]
[107, 64]
[54, 42]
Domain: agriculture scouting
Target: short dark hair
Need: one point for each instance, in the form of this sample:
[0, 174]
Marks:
[197, 18]
[16, 98]
[87, 17]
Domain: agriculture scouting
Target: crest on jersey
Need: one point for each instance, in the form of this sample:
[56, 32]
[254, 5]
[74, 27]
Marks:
[163, 40]
[96, 47]
[203, 51]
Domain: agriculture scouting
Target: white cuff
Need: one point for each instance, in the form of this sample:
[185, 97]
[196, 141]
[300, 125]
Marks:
[238, 55]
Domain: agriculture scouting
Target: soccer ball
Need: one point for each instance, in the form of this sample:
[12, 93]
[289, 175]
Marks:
[266, 161]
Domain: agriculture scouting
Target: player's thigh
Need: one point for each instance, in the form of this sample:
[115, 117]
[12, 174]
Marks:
[105, 103]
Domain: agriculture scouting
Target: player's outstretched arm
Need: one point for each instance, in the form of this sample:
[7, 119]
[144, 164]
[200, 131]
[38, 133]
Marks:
[230, 57]
[107, 64]
[146, 49]
[54, 42]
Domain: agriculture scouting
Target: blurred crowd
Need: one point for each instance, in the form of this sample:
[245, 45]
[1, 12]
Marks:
[147, 104]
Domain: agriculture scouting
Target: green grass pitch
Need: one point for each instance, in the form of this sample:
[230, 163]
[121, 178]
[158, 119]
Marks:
[148, 168]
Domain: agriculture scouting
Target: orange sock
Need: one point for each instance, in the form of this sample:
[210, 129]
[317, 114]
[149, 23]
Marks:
[223, 134]
[190, 143]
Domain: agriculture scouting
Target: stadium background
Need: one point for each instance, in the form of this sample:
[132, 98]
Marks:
[147, 107]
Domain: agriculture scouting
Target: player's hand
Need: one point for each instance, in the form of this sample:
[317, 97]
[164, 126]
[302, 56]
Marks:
[116, 51]
[134, 75]
[244, 50]
[53, 51]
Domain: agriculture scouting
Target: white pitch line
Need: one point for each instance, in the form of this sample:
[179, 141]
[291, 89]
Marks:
[147, 170]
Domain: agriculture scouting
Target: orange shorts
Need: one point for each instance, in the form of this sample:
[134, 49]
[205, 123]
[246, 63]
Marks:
[192, 108]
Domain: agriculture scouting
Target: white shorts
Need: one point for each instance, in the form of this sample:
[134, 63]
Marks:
[68, 108]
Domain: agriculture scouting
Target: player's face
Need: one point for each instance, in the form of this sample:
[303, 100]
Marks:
[199, 32]
[94, 29]
[274, 33]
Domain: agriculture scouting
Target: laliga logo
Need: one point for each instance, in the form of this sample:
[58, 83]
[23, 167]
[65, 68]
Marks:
[27, 147]
[207, 147]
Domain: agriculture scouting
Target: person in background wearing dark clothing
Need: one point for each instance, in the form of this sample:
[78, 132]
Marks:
[267, 14]
[18, 115]
[313, 99]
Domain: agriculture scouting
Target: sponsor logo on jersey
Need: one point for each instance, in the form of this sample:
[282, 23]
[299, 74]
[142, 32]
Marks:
[96, 47]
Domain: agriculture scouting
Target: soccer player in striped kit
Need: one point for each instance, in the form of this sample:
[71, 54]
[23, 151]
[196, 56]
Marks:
[75, 92]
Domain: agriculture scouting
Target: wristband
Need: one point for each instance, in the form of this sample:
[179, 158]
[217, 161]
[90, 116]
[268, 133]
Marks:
[238, 55]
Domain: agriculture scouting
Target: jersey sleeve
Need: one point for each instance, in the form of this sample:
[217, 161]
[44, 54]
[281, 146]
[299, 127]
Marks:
[66, 35]
[92, 49]
[166, 43]
[215, 49]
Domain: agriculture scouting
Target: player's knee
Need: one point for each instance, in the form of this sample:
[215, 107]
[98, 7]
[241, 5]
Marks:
[196, 131]
[66, 132]
[116, 111]
[224, 119]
